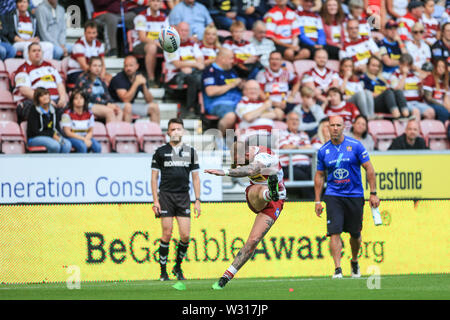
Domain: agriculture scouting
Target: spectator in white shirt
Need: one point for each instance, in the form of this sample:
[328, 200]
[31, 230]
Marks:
[263, 45]
[418, 48]
[309, 111]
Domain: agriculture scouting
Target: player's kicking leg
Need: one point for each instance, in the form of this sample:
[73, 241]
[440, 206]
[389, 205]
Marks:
[258, 198]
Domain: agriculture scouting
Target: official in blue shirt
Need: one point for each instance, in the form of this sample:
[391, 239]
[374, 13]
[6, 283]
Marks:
[342, 158]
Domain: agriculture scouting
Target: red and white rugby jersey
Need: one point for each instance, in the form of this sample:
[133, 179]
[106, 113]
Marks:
[82, 49]
[412, 85]
[431, 29]
[79, 123]
[429, 84]
[242, 50]
[188, 51]
[311, 23]
[43, 75]
[276, 84]
[281, 24]
[337, 31]
[245, 106]
[267, 157]
[347, 110]
[208, 52]
[25, 27]
[322, 79]
[150, 24]
[360, 51]
[299, 139]
[405, 26]
[354, 85]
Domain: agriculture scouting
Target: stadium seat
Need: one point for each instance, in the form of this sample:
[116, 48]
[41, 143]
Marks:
[333, 65]
[383, 132]
[149, 136]
[208, 120]
[434, 133]
[100, 134]
[123, 138]
[11, 66]
[248, 35]
[7, 106]
[302, 66]
[223, 33]
[11, 138]
[4, 77]
[280, 125]
[36, 149]
[400, 127]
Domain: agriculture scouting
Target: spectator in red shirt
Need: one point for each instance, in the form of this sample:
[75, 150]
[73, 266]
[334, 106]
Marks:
[406, 23]
[436, 90]
[333, 18]
[337, 106]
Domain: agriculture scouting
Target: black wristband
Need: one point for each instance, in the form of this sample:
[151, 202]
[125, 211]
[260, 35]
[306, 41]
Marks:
[197, 199]
[373, 193]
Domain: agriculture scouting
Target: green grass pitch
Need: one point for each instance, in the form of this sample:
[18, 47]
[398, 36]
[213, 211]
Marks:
[404, 287]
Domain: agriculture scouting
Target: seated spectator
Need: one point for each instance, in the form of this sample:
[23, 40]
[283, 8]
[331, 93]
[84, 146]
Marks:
[359, 131]
[353, 89]
[312, 34]
[410, 140]
[126, 85]
[51, 22]
[406, 23]
[295, 139]
[26, 31]
[356, 8]
[185, 66]
[36, 73]
[43, 125]
[357, 48]
[323, 134]
[275, 82]
[436, 90]
[84, 48]
[263, 46]
[283, 29]
[107, 14]
[441, 48]
[391, 48]
[309, 111]
[246, 62]
[194, 14]
[77, 124]
[148, 24]
[221, 89]
[337, 106]
[224, 13]
[100, 101]
[404, 79]
[430, 23]
[333, 18]
[7, 50]
[320, 78]
[255, 115]
[386, 100]
[251, 11]
[210, 45]
[417, 47]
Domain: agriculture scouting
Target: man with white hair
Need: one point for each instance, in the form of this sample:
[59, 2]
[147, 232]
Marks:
[263, 45]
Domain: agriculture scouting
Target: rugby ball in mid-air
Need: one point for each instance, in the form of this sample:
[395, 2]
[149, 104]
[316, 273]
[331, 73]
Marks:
[169, 39]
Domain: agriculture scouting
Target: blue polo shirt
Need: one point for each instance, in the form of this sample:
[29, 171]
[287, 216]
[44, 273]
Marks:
[343, 164]
[197, 16]
[216, 76]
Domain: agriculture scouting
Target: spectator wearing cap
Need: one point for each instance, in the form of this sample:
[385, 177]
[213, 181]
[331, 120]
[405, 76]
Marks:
[406, 23]
[430, 23]
[441, 48]
[417, 47]
[391, 48]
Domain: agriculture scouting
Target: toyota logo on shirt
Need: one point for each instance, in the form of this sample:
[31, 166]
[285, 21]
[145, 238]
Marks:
[340, 174]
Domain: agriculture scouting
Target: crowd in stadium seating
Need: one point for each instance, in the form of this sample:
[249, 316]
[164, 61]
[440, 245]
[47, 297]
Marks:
[243, 64]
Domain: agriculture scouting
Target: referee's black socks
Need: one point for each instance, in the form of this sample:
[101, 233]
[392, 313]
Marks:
[181, 253]
[163, 253]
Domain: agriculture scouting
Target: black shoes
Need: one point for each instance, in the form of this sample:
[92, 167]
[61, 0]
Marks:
[177, 272]
[272, 183]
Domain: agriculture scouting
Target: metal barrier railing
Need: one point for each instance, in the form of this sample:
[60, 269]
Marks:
[304, 183]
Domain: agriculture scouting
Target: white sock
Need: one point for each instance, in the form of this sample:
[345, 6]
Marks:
[266, 196]
[230, 272]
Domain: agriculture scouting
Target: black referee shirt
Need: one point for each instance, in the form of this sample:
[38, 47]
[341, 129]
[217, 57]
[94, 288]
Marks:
[175, 166]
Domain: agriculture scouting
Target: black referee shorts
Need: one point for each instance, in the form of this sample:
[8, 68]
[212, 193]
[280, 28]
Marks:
[175, 204]
[344, 214]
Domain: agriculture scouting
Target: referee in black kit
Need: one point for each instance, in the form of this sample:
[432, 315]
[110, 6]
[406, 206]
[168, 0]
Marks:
[174, 161]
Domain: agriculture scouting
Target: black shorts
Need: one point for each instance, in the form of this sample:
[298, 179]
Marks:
[344, 214]
[175, 204]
